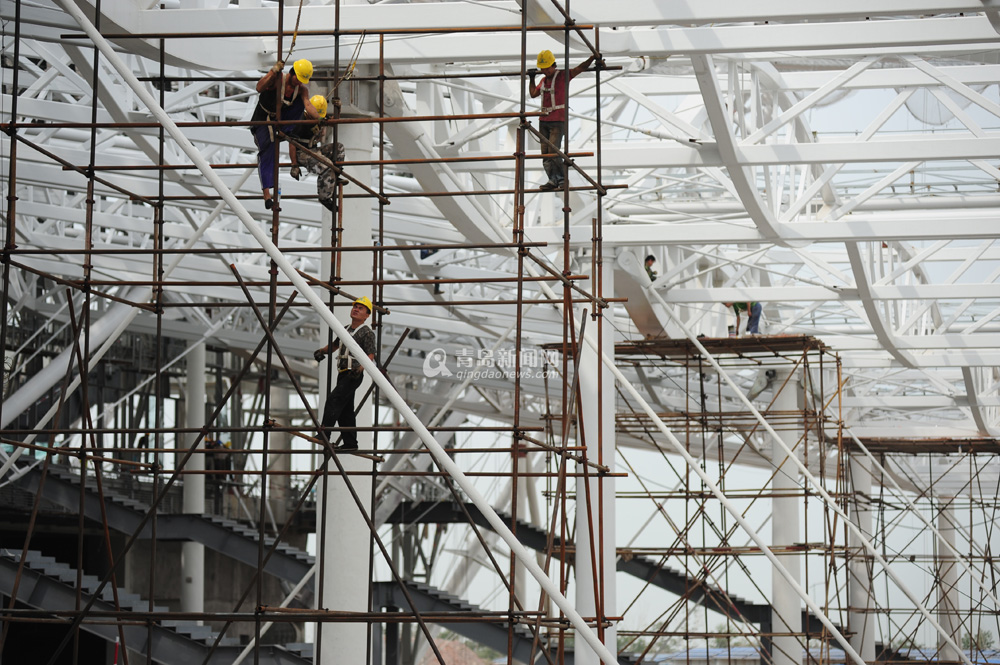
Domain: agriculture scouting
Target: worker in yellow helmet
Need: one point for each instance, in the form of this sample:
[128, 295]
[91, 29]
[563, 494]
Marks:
[291, 88]
[339, 406]
[308, 134]
[552, 122]
[311, 136]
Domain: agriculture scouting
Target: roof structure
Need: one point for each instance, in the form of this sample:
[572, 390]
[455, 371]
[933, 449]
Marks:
[838, 164]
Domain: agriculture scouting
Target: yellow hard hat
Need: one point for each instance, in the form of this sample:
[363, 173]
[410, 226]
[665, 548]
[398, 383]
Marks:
[303, 70]
[319, 103]
[546, 59]
[366, 301]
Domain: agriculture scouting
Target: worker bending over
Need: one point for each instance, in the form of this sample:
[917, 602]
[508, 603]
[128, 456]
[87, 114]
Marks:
[754, 310]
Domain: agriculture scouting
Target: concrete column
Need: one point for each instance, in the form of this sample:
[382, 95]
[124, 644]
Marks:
[346, 552]
[193, 554]
[527, 510]
[597, 392]
[860, 620]
[280, 461]
[786, 607]
[948, 597]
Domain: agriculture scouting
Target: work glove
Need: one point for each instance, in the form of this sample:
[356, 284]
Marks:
[319, 354]
[279, 66]
[295, 172]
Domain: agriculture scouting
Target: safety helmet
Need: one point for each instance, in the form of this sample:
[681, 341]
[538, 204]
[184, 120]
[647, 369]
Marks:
[546, 59]
[366, 301]
[303, 70]
[319, 103]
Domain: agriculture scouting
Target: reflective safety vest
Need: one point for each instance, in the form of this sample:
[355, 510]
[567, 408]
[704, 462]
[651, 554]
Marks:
[553, 98]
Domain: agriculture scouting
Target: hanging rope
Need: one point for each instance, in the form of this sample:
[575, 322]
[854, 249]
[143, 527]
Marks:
[350, 68]
[295, 33]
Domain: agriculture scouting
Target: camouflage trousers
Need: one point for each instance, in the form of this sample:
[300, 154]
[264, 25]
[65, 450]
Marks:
[326, 183]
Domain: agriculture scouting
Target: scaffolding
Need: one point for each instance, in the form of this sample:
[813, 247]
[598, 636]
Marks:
[112, 469]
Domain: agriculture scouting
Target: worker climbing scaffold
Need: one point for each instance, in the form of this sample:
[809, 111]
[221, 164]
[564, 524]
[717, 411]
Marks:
[283, 96]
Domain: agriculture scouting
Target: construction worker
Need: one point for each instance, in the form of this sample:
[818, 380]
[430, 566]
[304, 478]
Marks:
[754, 310]
[552, 123]
[650, 260]
[340, 402]
[291, 88]
[309, 135]
[312, 137]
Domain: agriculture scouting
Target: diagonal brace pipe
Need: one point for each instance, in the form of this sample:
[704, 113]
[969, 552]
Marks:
[446, 463]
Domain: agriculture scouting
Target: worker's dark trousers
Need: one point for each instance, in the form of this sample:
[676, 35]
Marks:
[340, 407]
[753, 323]
[553, 131]
[266, 152]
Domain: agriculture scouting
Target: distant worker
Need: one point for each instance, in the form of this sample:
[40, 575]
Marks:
[552, 123]
[340, 403]
[754, 310]
[291, 88]
[312, 137]
[650, 260]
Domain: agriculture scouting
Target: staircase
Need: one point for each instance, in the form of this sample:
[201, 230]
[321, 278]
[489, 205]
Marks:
[644, 568]
[229, 537]
[47, 584]
[492, 634]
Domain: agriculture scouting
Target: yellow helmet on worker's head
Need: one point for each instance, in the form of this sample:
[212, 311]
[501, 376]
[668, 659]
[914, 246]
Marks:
[303, 70]
[364, 301]
[319, 103]
[546, 59]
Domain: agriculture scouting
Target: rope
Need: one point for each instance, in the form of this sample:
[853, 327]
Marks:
[295, 33]
[350, 68]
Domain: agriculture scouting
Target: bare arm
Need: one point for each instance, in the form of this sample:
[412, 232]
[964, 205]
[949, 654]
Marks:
[576, 71]
[310, 109]
[267, 81]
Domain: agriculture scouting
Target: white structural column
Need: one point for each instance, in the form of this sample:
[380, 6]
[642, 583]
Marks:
[520, 574]
[192, 553]
[346, 550]
[280, 461]
[786, 607]
[860, 620]
[597, 392]
[947, 575]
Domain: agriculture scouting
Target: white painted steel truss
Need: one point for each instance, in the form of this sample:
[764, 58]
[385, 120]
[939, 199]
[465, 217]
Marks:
[838, 164]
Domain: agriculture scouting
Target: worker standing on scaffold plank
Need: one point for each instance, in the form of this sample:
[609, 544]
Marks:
[311, 138]
[291, 89]
[753, 310]
[552, 123]
[350, 373]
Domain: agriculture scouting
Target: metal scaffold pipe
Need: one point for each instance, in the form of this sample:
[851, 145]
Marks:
[820, 490]
[444, 461]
